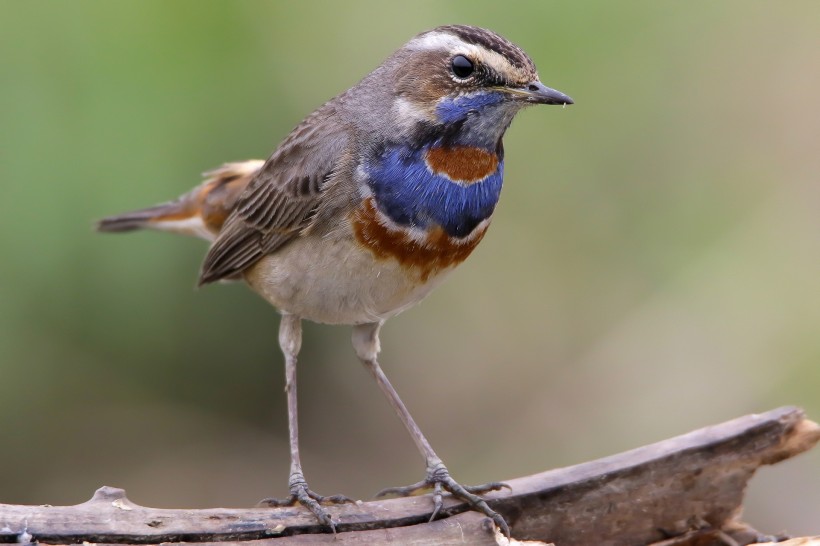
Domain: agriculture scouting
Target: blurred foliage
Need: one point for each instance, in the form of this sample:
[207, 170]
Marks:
[654, 265]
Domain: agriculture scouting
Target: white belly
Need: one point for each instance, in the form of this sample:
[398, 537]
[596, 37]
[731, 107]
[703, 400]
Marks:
[334, 280]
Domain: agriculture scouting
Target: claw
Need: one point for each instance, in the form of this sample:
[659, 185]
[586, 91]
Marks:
[438, 478]
[487, 487]
[405, 491]
[337, 499]
[476, 502]
[299, 493]
[437, 502]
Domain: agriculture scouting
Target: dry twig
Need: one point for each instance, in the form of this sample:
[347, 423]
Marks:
[685, 491]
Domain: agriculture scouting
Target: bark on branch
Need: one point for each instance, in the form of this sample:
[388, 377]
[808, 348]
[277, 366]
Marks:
[684, 491]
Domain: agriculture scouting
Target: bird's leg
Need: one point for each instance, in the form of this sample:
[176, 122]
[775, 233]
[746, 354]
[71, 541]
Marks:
[290, 340]
[366, 344]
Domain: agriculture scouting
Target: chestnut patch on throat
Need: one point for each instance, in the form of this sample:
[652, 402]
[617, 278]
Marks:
[462, 163]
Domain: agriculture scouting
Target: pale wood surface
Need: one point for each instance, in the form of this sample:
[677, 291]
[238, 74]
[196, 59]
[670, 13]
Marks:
[684, 491]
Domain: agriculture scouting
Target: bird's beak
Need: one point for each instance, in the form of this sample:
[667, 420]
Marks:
[538, 93]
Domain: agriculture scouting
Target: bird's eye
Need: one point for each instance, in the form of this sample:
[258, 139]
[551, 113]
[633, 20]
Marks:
[462, 66]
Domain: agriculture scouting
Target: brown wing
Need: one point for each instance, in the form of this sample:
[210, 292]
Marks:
[283, 197]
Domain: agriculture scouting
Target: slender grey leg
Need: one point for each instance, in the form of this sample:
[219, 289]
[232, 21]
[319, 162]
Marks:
[290, 340]
[366, 344]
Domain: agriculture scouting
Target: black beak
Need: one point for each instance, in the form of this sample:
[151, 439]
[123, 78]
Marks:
[538, 93]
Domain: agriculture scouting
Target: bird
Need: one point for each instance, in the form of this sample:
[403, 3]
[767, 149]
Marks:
[363, 209]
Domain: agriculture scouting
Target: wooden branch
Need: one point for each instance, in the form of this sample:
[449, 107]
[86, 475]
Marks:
[684, 491]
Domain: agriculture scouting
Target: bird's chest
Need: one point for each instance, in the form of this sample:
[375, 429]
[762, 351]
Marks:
[427, 209]
[453, 188]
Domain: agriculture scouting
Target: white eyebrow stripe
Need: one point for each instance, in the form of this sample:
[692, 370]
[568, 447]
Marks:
[441, 40]
[455, 45]
[497, 62]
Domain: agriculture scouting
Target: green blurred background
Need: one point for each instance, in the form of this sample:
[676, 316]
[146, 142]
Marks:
[654, 265]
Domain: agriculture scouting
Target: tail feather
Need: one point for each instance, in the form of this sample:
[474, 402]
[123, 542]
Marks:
[200, 212]
[138, 219]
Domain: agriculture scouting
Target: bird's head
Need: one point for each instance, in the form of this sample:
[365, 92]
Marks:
[462, 81]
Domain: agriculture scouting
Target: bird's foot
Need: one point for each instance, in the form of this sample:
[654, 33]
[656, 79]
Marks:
[300, 493]
[438, 478]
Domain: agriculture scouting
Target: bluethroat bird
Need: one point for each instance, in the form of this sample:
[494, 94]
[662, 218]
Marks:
[365, 207]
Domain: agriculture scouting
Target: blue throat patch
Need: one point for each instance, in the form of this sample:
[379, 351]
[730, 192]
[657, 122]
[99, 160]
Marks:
[453, 110]
[411, 194]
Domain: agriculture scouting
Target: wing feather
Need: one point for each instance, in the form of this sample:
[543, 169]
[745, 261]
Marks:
[281, 201]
